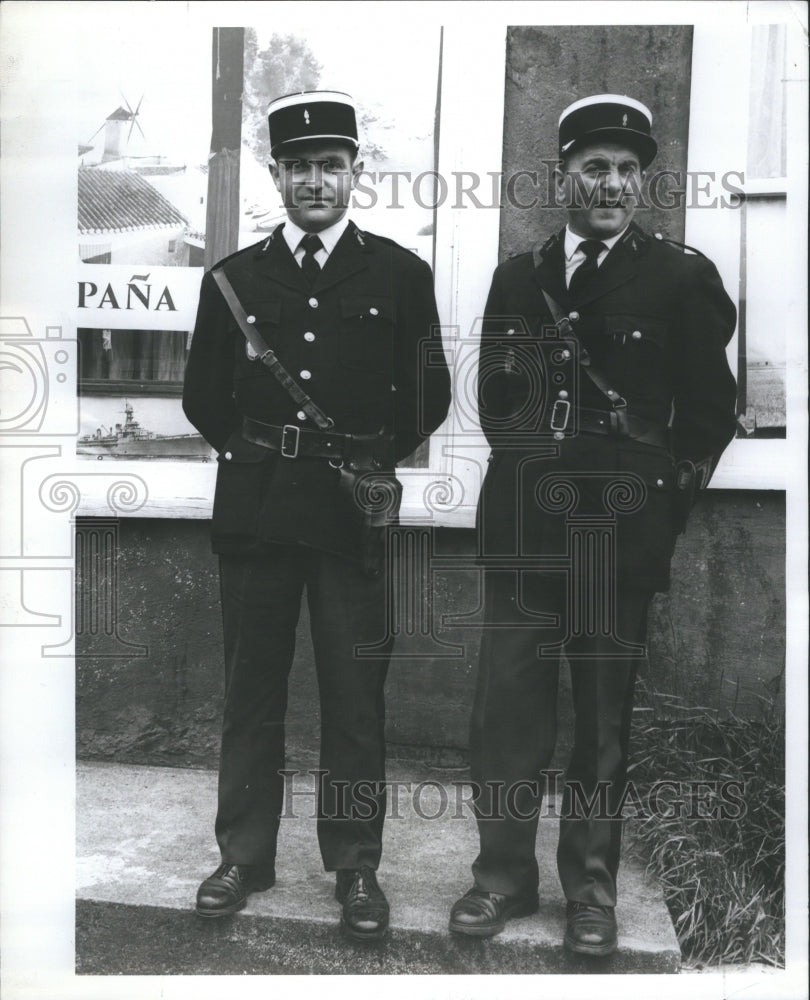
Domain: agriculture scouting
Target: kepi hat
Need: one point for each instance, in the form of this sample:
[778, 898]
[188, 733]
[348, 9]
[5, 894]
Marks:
[312, 114]
[608, 118]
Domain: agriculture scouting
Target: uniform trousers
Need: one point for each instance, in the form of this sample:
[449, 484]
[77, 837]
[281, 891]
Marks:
[514, 728]
[261, 601]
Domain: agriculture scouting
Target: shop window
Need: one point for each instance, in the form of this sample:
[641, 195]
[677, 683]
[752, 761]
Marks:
[132, 362]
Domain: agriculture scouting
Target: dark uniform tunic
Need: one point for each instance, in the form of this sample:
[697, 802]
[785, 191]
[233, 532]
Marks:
[584, 525]
[352, 342]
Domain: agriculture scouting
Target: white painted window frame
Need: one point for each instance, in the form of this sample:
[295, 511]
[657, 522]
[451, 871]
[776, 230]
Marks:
[718, 142]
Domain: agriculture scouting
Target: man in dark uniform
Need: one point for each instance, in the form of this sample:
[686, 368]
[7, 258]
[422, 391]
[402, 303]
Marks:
[606, 397]
[345, 314]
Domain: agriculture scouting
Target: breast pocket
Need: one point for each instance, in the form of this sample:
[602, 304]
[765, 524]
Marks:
[366, 333]
[640, 349]
[640, 336]
[265, 319]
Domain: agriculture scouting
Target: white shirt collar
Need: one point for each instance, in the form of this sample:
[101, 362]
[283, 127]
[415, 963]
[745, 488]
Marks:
[294, 234]
[572, 241]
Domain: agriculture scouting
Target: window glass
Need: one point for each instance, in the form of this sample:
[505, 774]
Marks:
[396, 111]
[767, 132]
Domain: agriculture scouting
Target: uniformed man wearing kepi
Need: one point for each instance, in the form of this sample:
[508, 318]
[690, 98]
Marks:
[305, 375]
[606, 397]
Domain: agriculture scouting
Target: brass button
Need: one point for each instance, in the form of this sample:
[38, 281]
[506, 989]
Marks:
[305, 374]
[250, 319]
[374, 311]
[566, 354]
[309, 336]
[313, 302]
[301, 415]
[228, 456]
[573, 316]
[558, 435]
[509, 333]
[659, 236]
[636, 334]
[659, 482]
[562, 394]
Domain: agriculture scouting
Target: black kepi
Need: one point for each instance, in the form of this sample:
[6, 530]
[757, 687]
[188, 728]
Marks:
[312, 114]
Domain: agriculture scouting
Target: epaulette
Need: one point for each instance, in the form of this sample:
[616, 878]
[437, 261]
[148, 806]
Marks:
[237, 253]
[361, 236]
[682, 246]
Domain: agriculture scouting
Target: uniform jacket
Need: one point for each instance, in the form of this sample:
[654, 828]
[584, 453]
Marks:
[357, 334]
[655, 322]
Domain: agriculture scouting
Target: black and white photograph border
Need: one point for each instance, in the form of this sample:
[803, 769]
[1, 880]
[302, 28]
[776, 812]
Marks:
[69, 776]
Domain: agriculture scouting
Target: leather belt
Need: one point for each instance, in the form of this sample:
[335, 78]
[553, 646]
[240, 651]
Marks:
[293, 441]
[619, 423]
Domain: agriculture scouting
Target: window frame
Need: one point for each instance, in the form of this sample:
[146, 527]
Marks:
[720, 145]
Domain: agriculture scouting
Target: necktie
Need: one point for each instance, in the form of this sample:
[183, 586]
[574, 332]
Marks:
[309, 265]
[587, 269]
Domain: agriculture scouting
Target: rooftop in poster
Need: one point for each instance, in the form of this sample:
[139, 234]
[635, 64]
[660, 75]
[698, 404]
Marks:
[122, 201]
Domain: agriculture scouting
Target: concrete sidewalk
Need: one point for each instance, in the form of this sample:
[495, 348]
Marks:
[145, 841]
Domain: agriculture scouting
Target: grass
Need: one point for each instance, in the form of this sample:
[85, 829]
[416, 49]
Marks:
[723, 876]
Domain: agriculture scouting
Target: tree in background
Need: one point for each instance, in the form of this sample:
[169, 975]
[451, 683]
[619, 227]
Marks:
[286, 65]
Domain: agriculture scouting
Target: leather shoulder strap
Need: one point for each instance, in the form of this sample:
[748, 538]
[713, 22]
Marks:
[267, 356]
[566, 328]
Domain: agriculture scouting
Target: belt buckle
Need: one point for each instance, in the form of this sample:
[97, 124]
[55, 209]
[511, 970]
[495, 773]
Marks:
[287, 450]
[557, 422]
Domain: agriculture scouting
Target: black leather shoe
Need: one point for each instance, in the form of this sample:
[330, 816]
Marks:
[227, 890]
[365, 908]
[481, 914]
[590, 930]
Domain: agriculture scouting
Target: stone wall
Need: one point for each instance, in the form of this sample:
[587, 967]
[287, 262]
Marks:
[549, 68]
[716, 640]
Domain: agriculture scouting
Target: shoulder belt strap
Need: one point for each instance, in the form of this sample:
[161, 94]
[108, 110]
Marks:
[564, 325]
[267, 356]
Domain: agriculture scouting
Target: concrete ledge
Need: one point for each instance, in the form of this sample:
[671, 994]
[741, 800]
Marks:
[145, 841]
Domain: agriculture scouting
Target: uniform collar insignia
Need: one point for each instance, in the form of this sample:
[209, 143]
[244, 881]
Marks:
[269, 241]
[541, 251]
[359, 237]
[635, 240]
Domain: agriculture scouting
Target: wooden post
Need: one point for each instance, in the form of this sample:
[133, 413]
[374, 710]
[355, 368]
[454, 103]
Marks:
[222, 209]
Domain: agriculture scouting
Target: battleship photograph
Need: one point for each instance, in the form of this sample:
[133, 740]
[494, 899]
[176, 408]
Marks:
[132, 441]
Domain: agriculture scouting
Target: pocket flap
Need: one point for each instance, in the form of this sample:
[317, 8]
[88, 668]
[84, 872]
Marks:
[637, 329]
[654, 466]
[238, 451]
[368, 307]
